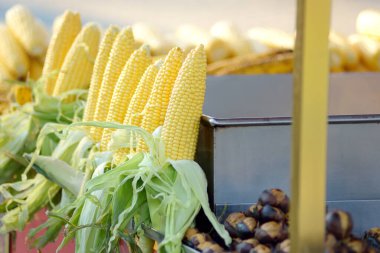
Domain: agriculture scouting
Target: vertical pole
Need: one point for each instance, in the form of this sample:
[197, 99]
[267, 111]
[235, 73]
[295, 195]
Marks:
[309, 131]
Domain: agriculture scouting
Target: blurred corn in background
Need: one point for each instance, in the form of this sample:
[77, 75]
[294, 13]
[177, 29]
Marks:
[23, 45]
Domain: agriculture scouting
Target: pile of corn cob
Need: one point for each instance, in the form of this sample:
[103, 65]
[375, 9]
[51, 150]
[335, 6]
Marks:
[265, 50]
[126, 87]
[58, 95]
[23, 46]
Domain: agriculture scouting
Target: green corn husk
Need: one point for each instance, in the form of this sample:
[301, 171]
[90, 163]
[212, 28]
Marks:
[172, 192]
[21, 202]
[20, 128]
[67, 168]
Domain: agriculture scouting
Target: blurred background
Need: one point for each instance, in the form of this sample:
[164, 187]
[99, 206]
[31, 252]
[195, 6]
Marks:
[167, 14]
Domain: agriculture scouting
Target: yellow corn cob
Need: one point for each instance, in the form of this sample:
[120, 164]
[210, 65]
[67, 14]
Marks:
[145, 34]
[121, 50]
[368, 49]
[138, 102]
[21, 94]
[230, 34]
[340, 45]
[216, 49]
[141, 95]
[66, 29]
[12, 54]
[156, 107]
[35, 69]
[76, 72]
[124, 90]
[181, 126]
[98, 72]
[28, 30]
[368, 23]
[264, 40]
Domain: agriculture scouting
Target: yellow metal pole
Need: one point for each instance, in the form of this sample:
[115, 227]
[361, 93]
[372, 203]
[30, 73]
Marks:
[309, 138]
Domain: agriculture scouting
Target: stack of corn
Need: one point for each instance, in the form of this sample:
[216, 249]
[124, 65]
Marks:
[70, 60]
[23, 46]
[267, 50]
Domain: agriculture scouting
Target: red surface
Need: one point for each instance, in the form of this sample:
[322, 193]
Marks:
[20, 245]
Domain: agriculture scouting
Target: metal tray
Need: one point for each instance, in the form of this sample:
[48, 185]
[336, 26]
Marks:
[245, 141]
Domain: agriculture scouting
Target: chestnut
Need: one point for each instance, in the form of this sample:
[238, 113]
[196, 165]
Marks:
[271, 232]
[198, 239]
[211, 247]
[254, 211]
[261, 248]
[339, 223]
[372, 236]
[283, 247]
[356, 245]
[190, 232]
[270, 213]
[246, 245]
[246, 227]
[231, 221]
[234, 243]
[276, 198]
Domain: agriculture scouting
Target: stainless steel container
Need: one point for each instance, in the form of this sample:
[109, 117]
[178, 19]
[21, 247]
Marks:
[245, 142]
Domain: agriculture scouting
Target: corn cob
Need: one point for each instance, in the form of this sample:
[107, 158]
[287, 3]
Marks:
[122, 48]
[232, 36]
[274, 62]
[35, 69]
[66, 29]
[12, 54]
[98, 72]
[368, 23]
[145, 34]
[156, 107]
[368, 49]
[124, 90]
[77, 67]
[28, 30]
[264, 40]
[190, 36]
[181, 126]
[339, 44]
[141, 95]
[21, 94]
[138, 102]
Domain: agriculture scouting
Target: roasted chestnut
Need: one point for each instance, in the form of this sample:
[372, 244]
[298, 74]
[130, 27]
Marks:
[211, 247]
[246, 245]
[246, 227]
[198, 239]
[261, 249]
[231, 221]
[276, 198]
[372, 237]
[271, 232]
[190, 232]
[339, 223]
[355, 245]
[254, 211]
[270, 213]
[283, 247]
[235, 242]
